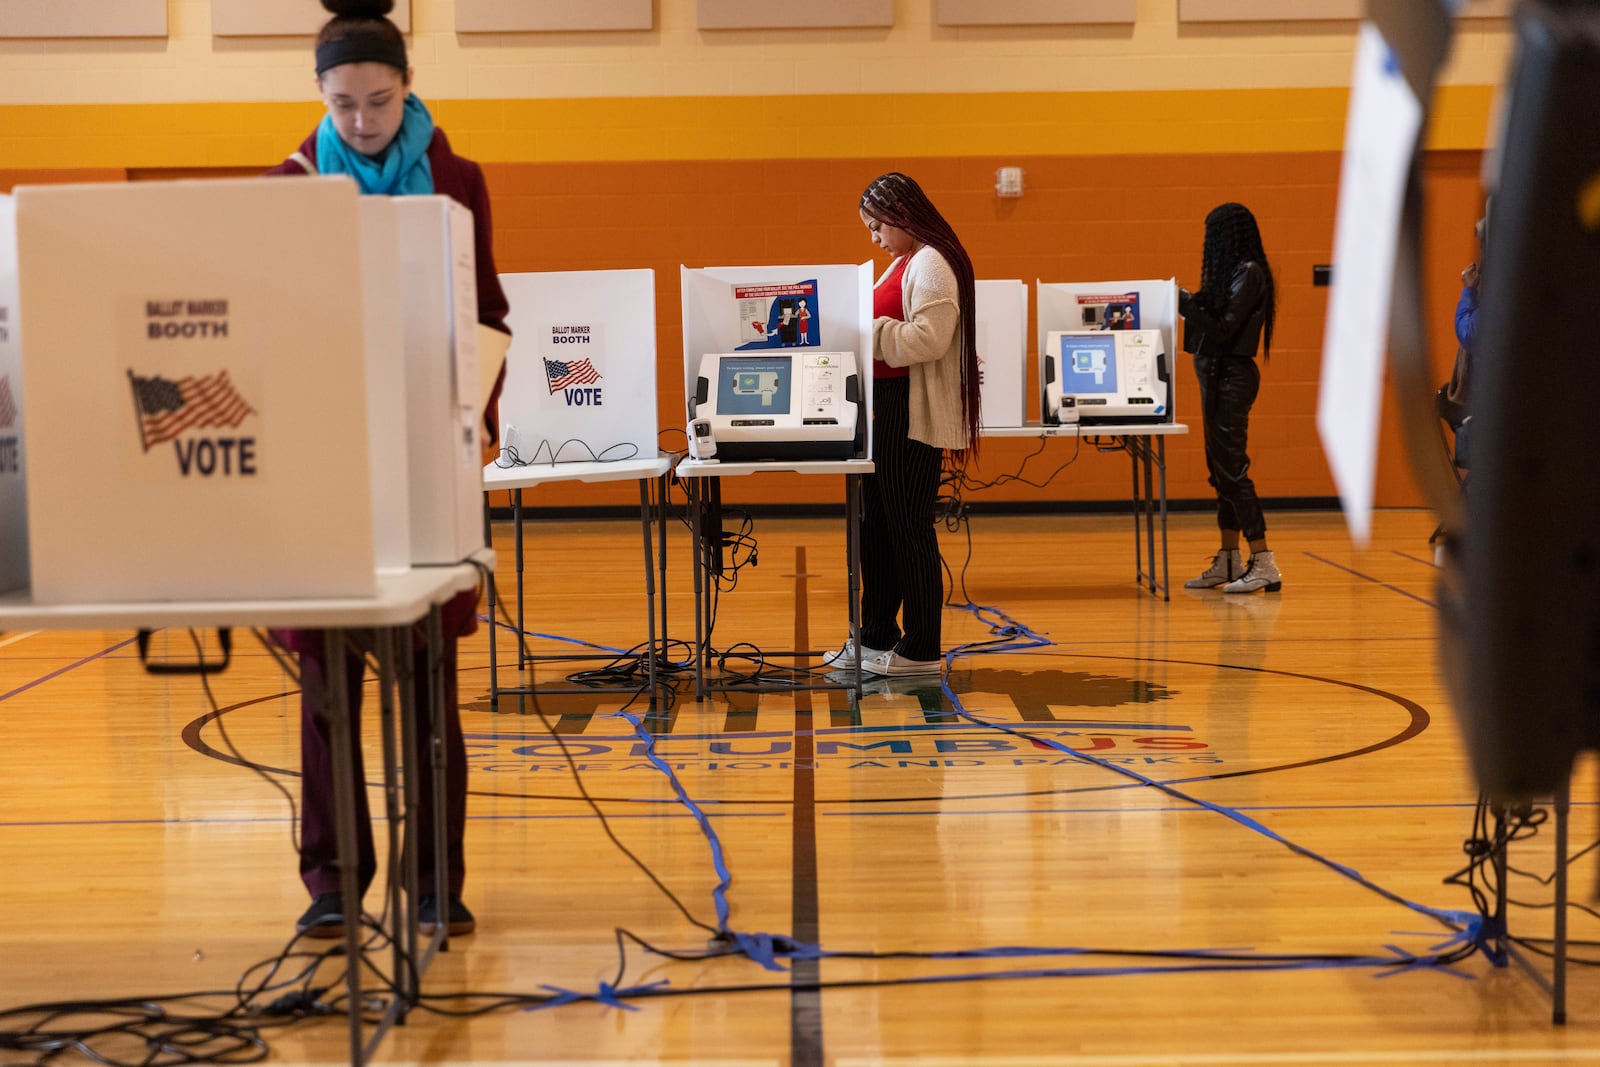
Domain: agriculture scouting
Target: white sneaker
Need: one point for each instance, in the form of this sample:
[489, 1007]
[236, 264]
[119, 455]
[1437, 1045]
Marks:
[1262, 573]
[894, 665]
[1225, 567]
[846, 656]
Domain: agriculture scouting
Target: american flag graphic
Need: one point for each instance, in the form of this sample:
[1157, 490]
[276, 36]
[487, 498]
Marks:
[567, 372]
[167, 408]
[8, 403]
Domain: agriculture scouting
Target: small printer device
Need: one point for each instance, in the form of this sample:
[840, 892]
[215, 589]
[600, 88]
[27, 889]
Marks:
[775, 405]
[1107, 376]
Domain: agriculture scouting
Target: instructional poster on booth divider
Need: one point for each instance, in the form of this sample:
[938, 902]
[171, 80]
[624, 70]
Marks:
[778, 315]
[1109, 311]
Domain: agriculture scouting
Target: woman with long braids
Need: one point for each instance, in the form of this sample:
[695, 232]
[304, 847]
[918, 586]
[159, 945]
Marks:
[1224, 322]
[379, 133]
[925, 402]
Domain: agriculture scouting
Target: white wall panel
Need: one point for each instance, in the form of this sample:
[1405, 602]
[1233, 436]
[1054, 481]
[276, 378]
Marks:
[282, 18]
[518, 16]
[83, 18]
[787, 15]
[1032, 12]
[1307, 10]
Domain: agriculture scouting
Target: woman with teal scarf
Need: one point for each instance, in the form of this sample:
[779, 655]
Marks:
[378, 132]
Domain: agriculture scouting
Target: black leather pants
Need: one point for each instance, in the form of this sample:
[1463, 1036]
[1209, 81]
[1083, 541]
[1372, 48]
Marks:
[1228, 387]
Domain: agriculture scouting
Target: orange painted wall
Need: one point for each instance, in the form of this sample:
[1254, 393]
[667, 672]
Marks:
[1083, 218]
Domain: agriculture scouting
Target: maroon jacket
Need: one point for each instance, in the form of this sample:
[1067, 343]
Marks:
[462, 180]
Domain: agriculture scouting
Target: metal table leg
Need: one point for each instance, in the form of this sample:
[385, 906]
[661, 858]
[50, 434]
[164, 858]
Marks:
[1149, 508]
[661, 571]
[344, 800]
[441, 824]
[1129, 446]
[701, 563]
[394, 812]
[649, 590]
[516, 520]
[852, 552]
[1161, 466]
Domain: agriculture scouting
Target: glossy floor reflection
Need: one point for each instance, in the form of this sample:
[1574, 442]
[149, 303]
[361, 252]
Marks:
[1119, 830]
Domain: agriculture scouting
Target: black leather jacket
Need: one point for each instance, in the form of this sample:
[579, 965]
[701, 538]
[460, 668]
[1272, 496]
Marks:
[1234, 330]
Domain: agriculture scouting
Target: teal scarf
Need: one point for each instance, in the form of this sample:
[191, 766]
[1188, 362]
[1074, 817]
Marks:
[401, 170]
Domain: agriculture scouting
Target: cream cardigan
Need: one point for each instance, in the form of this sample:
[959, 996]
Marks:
[929, 342]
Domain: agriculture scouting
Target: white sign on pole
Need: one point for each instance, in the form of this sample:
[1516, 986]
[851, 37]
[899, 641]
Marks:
[1380, 137]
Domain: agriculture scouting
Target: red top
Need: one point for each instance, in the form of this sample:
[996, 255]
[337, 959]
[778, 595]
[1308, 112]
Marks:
[888, 299]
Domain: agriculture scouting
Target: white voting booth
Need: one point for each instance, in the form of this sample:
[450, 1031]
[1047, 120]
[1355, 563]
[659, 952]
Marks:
[791, 323]
[1120, 339]
[192, 356]
[13, 493]
[581, 371]
[1002, 330]
[238, 389]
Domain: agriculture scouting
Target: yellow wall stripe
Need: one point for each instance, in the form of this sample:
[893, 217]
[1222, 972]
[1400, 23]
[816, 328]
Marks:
[908, 125]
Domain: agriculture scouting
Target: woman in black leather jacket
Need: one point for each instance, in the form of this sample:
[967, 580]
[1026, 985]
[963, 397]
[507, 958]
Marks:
[1224, 322]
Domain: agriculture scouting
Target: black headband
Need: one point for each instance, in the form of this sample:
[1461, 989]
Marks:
[365, 48]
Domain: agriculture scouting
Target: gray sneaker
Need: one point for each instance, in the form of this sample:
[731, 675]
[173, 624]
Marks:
[1262, 573]
[894, 665]
[1225, 567]
[846, 657]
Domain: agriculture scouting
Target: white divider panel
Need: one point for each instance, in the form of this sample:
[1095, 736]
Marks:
[386, 382]
[13, 471]
[197, 417]
[444, 446]
[1003, 348]
[1084, 306]
[712, 322]
[581, 372]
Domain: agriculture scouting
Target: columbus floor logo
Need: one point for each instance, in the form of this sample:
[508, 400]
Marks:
[1016, 719]
[170, 408]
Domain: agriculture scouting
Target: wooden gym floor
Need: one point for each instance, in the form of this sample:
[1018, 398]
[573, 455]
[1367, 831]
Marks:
[1231, 819]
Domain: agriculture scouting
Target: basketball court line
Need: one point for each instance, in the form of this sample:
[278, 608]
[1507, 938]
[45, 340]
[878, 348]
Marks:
[1374, 581]
[63, 670]
[14, 638]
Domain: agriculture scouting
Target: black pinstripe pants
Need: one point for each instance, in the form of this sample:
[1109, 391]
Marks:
[900, 569]
[1228, 388]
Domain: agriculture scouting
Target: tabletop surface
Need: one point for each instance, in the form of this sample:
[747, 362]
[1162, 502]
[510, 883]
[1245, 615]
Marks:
[1109, 429]
[402, 598]
[716, 468]
[522, 477]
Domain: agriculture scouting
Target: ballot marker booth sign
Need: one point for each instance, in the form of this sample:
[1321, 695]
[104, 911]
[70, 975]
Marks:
[193, 357]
